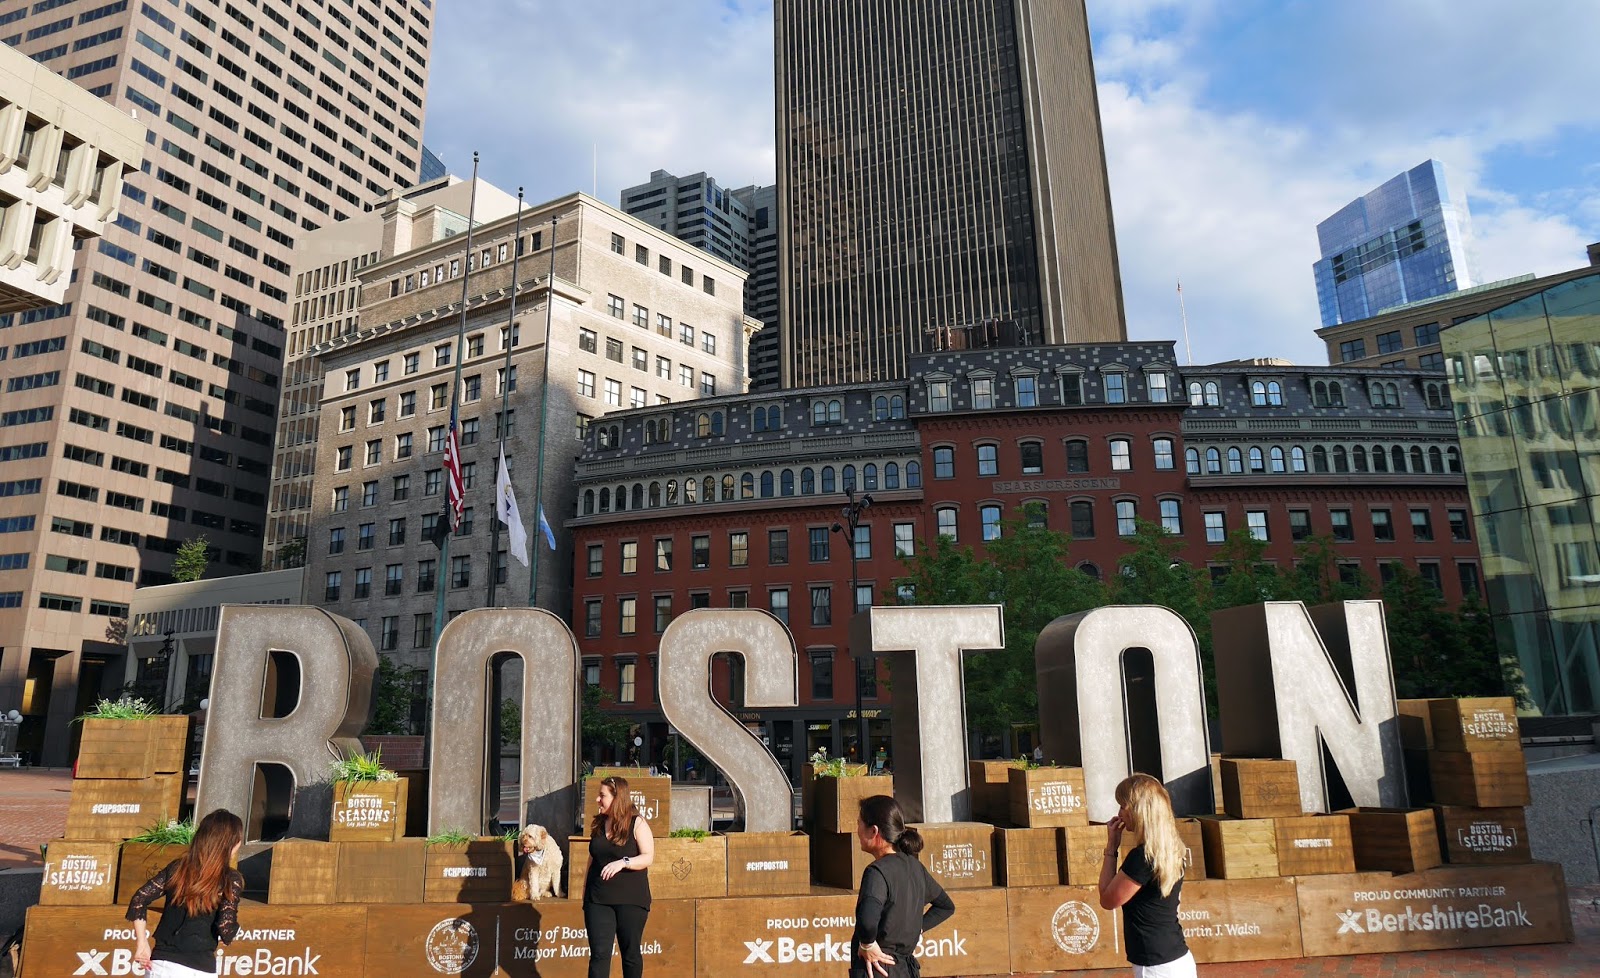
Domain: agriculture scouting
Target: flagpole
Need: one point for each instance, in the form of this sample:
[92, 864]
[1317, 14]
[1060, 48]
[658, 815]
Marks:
[505, 400]
[1183, 313]
[544, 410]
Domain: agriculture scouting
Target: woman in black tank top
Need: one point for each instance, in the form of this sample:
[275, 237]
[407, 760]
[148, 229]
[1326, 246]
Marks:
[899, 899]
[616, 892]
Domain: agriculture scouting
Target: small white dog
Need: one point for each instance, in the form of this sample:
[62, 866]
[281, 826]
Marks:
[541, 865]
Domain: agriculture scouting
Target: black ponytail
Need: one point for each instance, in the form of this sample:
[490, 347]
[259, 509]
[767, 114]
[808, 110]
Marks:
[883, 813]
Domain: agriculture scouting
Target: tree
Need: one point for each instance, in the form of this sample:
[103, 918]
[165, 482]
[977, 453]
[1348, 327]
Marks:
[510, 723]
[1153, 573]
[600, 727]
[393, 699]
[1436, 651]
[292, 554]
[191, 560]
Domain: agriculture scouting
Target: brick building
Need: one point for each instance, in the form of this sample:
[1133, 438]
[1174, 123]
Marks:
[732, 502]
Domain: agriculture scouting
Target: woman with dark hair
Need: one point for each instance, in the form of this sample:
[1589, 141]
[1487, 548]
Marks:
[616, 892]
[899, 899]
[202, 890]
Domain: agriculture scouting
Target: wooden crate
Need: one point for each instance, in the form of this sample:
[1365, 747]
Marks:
[837, 801]
[1047, 797]
[369, 811]
[837, 860]
[808, 785]
[1419, 776]
[1085, 847]
[79, 873]
[1239, 848]
[768, 863]
[689, 869]
[119, 808]
[1415, 718]
[1483, 836]
[991, 790]
[1310, 845]
[480, 871]
[1255, 788]
[1394, 840]
[1029, 857]
[1483, 779]
[304, 871]
[1478, 724]
[577, 866]
[1194, 841]
[1216, 784]
[381, 872]
[960, 855]
[133, 748]
[138, 862]
[651, 794]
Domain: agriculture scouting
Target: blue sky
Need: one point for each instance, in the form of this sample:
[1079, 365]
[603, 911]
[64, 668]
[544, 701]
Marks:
[1232, 127]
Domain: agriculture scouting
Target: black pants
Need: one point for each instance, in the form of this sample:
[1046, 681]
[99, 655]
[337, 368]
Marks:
[625, 925]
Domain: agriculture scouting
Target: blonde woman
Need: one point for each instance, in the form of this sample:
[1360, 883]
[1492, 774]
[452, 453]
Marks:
[1150, 881]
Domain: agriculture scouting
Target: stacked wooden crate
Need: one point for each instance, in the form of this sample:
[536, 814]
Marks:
[836, 856]
[1049, 811]
[1264, 832]
[1480, 781]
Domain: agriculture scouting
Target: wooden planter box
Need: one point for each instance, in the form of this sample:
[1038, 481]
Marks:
[651, 794]
[79, 873]
[381, 872]
[1240, 848]
[837, 859]
[838, 801]
[991, 791]
[1216, 784]
[1486, 779]
[1085, 849]
[304, 871]
[1394, 840]
[1483, 836]
[576, 866]
[1047, 797]
[1314, 845]
[960, 855]
[117, 808]
[133, 748]
[1416, 723]
[1029, 857]
[1419, 776]
[768, 863]
[688, 869]
[1194, 841]
[138, 862]
[1259, 788]
[369, 811]
[480, 871]
[1474, 725]
[808, 786]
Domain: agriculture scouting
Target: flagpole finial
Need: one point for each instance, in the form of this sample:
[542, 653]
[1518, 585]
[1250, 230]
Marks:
[519, 193]
[474, 157]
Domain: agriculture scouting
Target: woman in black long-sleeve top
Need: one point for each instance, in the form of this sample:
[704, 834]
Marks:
[202, 908]
[899, 899]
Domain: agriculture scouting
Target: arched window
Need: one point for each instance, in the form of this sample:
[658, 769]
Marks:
[708, 490]
[1213, 394]
[1235, 461]
[1435, 459]
[1397, 458]
[786, 482]
[1319, 459]
[1417, 463]
[1191, 460]
[1380, 458]
[1258, 394]
[605, 499]
[914, 475]
[637, 497]
[758, 421]
[848, 477]
[766, 485]
[1196, 398]
[655, 494]
[880, 408]
[1257, 462]
[1276, 458]
[808, 482]
[672, 492]
[1336, 394]
[1297, 459]
[702, 425]
[869, 477]
[1452, 458]
[603, 437]
[1274, 394]
[1090, 570]
[774, 419]
[819, 412]
[1358, 458]
[1341, 459]
[891, 475]
[747, 486]
[716, 422]
[622, 499]
[588, 502]
[691, 491]
[1213, 462]
[1319, 394]
[835, 411]
[897, 407]
[727, 488]
[828, 484]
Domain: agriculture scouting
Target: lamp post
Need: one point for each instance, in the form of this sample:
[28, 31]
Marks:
[850, 513]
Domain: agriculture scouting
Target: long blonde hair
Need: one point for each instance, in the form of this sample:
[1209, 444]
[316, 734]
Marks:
[1150, 810]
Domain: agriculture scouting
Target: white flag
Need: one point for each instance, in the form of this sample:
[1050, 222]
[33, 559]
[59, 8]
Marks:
[506, 509]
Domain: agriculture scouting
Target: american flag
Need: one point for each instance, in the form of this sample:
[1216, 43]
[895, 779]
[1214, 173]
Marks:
[456, 490]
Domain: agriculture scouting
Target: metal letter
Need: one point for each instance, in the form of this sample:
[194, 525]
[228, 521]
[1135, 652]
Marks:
[337, 667]
[1083, 716]
[929, 725]
[550, 719]
[772, 679]
[1284, 683]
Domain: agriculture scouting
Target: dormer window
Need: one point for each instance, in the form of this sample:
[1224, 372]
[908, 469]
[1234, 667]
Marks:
[829, 410]
[939, 393]
[982, 384]
[1266, 393]
[1384, 394]
[1116, 385]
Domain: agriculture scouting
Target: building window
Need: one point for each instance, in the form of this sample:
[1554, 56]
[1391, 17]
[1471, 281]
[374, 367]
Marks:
[1470, 583]
[983, 393]
[938, 395]
[627, 615]
[1121, 454]
[822, 675]
[1352, 350]
[777, 547]
[1430, 572]
[1299, 524]
[819, 544]
[1164, 458]
[664, 554]
[341, 499]
[1382, 527]
[1071, 389]
[988, 459]
[1460, 529]
[461, 571]
[1390, 342]
[862, 544]
[739, 549]
[1077, 456]
[905, 542]
[946, 521]
[1157, 382]
[1032, 457]
[1027, 391]
[630, 556]
[1171, 516]
[591, 617]
[821, 605]
[1082, 512]
[1422, 526]
[597, 559]
[1213, 461]
[1191, 460]
[1127, 518]
[1216, 528]
[425, 576]
[586, 383]
[990, 518]
[1116, 388]
[1343, 530]
[944, 463]
[778, 603]
[336, 541]
[331, 586]
[626, 669]
[1258, 462]
[663, 612]
[700, 551]
[1256, 521]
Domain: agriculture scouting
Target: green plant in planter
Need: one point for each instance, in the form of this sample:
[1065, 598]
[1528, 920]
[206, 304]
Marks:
[126, 708]
[696, 835]
[450, 837]
[170, 834]
[823, 766]
[362, 767]
[511, 835]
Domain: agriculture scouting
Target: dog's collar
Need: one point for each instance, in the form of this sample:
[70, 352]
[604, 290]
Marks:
[536, 856]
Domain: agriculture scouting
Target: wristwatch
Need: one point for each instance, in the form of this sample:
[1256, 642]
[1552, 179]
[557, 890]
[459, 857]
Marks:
[624, 860]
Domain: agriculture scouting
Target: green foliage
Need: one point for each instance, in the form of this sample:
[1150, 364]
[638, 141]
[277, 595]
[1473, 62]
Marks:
[511, 835]
[292, 554]
[601, 728]
[362, 767]
[510, 722]
[823, 766]
[451, 837]
[1438, 652]
[191, 560]
[125, 708]
[169, 834]
[393, 699]
[1026, 763]
[695, 835]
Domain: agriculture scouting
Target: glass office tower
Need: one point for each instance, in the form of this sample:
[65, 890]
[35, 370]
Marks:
[1404, 241]
[1525, 381]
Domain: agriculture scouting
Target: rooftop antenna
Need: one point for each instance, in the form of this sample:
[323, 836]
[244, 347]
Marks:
[594, 162]
[1188, 350]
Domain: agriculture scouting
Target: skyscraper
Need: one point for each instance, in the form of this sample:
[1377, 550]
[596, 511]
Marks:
[941, 176]
[1406, 240]
[267, 119]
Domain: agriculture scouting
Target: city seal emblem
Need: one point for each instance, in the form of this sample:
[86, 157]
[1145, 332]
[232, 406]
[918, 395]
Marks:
[1075, 927]
[452, 945]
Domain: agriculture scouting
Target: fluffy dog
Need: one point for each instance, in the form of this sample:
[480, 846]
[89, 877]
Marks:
[541, 865]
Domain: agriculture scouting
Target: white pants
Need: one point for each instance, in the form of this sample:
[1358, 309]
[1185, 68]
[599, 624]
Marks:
[1181, 968]
[171, 969]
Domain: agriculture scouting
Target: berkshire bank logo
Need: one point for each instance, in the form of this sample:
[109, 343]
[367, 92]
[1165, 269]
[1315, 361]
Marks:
[1371, 920]
[119, 961]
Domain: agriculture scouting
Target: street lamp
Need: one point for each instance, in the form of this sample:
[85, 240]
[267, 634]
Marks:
[850, 513]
